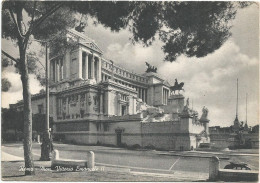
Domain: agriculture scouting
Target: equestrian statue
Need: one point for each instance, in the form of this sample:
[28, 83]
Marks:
[177, 86]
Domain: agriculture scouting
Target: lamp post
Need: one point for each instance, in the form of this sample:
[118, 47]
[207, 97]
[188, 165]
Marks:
[46, 146]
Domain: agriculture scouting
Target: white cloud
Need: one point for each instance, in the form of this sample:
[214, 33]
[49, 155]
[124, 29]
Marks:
[15, 92]
[134, 57]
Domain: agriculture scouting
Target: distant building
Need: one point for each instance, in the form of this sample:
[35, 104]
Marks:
[238, 135]
[234, 137]
[94, 101]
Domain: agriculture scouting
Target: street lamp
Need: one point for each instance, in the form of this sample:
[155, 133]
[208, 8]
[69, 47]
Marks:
[47, 145]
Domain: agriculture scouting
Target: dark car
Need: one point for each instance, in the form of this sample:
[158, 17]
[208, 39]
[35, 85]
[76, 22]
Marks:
[236, 165]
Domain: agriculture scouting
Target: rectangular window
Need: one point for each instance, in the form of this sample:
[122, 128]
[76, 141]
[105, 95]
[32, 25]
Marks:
[123, 110]
[40, 109]
[106, 127]
[98, 126]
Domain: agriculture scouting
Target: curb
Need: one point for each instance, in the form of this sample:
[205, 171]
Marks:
[191, 156]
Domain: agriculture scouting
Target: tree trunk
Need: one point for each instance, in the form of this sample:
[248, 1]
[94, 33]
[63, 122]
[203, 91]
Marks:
[27, 108]
[28, 157]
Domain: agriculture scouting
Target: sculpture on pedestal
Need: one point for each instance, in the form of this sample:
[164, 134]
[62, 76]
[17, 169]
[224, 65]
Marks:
[177, 86]
[204, 116]
[186, 110]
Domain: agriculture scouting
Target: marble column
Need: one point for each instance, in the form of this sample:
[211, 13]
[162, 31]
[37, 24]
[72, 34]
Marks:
[86, 66]
[67, 106]
[92, 67]
[127, 109]
[80, 63]
[101, 103]
[166, 97]
[61, 69]
[78, 103]
[119, 110]
[167, 94]
[58, 69]
[144, 94]
[164, 93]
[99, 69]
[141, 94]
[163, 96]
[86, 102]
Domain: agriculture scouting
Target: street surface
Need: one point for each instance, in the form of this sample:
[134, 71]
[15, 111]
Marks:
[141, 161]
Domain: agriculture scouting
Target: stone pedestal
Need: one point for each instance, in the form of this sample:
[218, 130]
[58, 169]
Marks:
[213, 168]
[205, 123]
[175, 104]
[91, 159]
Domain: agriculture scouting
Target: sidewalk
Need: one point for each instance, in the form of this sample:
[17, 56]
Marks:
[9, 157]
[11, 171]
[206, 154]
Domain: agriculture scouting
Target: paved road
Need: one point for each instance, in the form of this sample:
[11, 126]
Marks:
[129, 158]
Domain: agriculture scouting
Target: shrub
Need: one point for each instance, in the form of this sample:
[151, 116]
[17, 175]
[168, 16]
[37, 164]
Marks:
[149, 147]
[135, 146]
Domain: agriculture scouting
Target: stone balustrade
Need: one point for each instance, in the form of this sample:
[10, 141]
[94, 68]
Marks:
[123, 72]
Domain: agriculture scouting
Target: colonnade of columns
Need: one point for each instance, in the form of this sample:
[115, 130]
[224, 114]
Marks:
[142, 94]
[57, 70]
[89, 66]
[165, 95]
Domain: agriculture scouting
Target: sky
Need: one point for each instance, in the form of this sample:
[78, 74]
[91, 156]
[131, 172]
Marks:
[209, 81]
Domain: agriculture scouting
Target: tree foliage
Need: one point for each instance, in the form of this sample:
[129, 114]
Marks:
[189, 28]
[5, 84]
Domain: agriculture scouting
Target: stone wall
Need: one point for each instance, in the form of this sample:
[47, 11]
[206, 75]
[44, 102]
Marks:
[175, 104]
[221, 140]
[165, 135]
[167, 141]
[224, 140]
[196, 128]
[77, 138]
[161, 127]
[110, 103]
